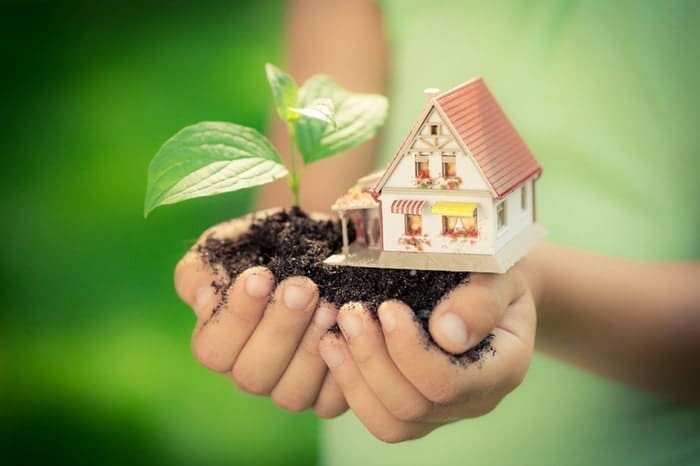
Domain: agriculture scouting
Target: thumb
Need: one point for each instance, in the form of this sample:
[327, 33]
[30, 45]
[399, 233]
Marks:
[194, 275]
[471, 311]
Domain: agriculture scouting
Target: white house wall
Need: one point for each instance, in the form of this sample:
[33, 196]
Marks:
[517, 219]
[404, 175]
[432, 239]
[446, 138]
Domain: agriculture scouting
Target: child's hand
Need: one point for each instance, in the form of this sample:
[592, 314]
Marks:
[401, 388]
[265, 339]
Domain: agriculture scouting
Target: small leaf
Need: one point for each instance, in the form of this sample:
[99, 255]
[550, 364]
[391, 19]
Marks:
[284, 89]
[210, 158]
[319, 109]
[357, 118]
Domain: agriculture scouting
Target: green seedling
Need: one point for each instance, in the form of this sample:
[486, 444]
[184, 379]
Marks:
[214, 157]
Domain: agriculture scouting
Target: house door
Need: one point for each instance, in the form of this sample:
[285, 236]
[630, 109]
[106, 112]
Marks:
[358, 221]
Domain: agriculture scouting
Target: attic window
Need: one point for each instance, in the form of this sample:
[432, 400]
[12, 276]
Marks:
[434, 130]
[523, 198]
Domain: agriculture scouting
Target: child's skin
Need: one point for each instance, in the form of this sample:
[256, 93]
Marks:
[399, 388]
[635, 322]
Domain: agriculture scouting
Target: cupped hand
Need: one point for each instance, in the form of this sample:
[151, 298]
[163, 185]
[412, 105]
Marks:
[264, 337]
[401, 386]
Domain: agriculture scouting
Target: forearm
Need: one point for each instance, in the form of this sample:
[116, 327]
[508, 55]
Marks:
[631, 321]
[346, 41]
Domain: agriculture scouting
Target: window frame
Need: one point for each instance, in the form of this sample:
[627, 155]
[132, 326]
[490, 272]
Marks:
[419, 159]
[501, 216]
[448, 159]
[445, 221]
[406, 228]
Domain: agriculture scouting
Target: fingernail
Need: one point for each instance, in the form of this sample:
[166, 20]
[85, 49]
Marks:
[452, 327]
[386, 317]
[333, 356]
[351, 325]
[296, 297]
[324, 317]
[258, 286]
[204, 299]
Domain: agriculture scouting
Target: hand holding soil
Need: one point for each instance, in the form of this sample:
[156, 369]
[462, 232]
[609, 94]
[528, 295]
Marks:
[271, 338]
[264, 337]
[402, 387]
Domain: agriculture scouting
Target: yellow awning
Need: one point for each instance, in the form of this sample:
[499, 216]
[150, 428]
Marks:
[453, 209]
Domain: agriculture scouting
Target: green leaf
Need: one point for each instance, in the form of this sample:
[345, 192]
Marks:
[210, 158]
[319, 109]
[284, 90]
[357, 118]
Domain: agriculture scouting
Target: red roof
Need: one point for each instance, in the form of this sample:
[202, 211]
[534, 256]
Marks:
[488, 134]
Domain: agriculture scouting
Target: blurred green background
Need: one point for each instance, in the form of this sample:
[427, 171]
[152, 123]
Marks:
[95, 364]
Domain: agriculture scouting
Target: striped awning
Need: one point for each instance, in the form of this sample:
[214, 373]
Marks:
[453, 209]
[410, 207]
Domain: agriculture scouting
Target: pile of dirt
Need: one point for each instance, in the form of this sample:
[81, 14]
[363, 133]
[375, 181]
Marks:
[290, 243]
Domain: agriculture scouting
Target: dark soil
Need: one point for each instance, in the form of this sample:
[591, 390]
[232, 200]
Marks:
[290, 243]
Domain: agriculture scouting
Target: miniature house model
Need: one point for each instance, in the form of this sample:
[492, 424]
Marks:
[459, 194]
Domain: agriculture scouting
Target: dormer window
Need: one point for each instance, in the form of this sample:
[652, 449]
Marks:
[422, 166]
[434, 130]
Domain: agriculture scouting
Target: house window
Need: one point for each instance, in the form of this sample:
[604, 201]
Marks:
[523, 198]
[449, 224]
[449, 166]
[414, 224]
[422, 166]
[460, 226]
[501, 215]
[434, 130]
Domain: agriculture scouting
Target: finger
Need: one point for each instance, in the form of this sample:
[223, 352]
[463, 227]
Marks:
[270, 348]
[218, 339]
[515, 339]
[330, 402]
[302, 380]
[469, 313]
[196, 282]
[446, 379]
[368, 350]
[361, 399]
[520, 320]
[199, 285]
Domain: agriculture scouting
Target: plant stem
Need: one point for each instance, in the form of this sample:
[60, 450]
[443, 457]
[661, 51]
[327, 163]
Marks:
[294, 178]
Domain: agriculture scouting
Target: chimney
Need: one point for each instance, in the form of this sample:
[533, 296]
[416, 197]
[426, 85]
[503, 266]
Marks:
[430, 93]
